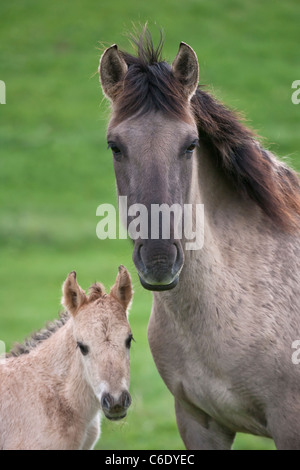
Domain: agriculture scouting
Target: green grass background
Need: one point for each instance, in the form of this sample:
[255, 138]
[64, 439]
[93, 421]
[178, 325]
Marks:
[55, 169]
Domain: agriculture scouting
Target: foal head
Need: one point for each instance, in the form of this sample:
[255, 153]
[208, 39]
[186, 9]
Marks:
[152, 135]
[101, 339]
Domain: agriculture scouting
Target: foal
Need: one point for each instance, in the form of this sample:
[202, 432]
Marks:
[53, 388]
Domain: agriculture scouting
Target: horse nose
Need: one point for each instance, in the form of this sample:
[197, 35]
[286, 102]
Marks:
[115, 408]
[125, 399]
[107, 401]
[158, 263]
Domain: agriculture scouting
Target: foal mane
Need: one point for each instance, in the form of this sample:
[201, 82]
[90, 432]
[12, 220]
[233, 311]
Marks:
[38, 336]
[149, 84]
[96, 291]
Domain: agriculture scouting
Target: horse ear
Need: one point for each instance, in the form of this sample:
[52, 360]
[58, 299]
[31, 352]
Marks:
[186, 69]
[73, 296]
[112, 69]
[122, 288]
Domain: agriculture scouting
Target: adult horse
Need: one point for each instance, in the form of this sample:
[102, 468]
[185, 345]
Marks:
[224, 317]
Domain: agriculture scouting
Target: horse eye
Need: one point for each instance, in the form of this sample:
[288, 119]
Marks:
[128, 341]
[191, 148]
[84, 349]
[115, 150]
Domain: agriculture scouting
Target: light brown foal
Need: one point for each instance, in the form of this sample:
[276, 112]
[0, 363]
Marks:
[53, 388]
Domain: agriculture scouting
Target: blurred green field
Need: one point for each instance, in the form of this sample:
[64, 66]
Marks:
[55, 169]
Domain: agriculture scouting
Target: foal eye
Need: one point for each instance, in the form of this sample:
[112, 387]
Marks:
[84, 349]
[128, 341]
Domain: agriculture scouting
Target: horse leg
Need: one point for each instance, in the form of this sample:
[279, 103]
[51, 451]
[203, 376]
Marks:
[284, 425]
[93, 434]
[199, 431]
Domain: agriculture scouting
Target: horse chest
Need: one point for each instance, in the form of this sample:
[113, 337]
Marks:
[199, 384]
[193, 371]
[215, 397]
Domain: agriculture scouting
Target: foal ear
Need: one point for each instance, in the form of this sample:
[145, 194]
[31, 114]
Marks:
[112, 70]
[186, 69]
[122, 288]
[73, 296]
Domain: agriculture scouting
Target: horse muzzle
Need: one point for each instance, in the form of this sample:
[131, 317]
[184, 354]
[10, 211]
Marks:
[115, 409]
[159, 263]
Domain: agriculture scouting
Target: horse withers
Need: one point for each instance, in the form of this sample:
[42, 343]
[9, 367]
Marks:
[54, 386]
[225, 316]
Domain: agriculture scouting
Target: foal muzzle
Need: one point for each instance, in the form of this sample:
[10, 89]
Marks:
[115, 409]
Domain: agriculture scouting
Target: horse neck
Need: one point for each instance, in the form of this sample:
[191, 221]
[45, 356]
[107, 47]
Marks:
[61, 366]
[228, 221]
[209, 186]
[226, 212]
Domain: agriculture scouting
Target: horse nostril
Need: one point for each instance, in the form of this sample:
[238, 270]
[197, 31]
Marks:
[126, 400]
[107, 401]
[179, 257]
[139, 254]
